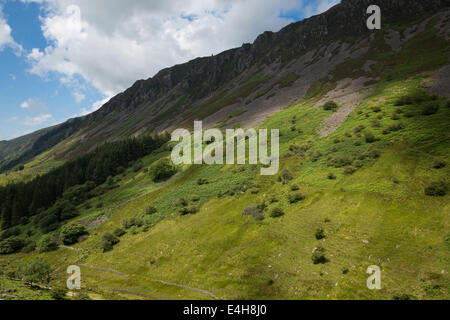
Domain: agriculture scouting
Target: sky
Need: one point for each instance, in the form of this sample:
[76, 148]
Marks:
[61, 59]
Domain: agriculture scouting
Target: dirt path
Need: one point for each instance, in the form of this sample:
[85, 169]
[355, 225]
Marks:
[158, 281]
[106, 270]
[188, 288]
[134, 294]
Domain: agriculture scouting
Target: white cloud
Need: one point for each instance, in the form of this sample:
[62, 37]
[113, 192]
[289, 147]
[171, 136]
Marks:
[38, 120]
[34, 105]
[79, 97]
[113, 43]
[6, 39]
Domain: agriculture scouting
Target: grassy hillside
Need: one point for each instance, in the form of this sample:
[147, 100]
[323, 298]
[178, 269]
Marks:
[375, 215]
[360, 194]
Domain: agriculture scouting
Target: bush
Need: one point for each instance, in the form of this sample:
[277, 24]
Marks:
[339, 162]
[195, 198]
[320, 234]
[318, 256]
[285, 176]
[295, 187]
[108, 241]
[404, 100]
[254, 212]
[296, 197]
[358, 129]
[315, 156]
[430, 109]
[162, 170]
[202, 182]
[276, 212]
[439, 164]
[330, 105]
[119, 232]
[191, 209]
[36, 271]
[369, 137]
[150, 210]
[436, 189]
[395, 127]
[47, 244]
[331, 176]
[349, 170]
[376, 109]
[71, 232]
[11, 245]
[181, 202]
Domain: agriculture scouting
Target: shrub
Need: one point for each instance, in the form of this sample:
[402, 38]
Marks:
[430, 109]
[188, 210]
[315, 156]
[11, 245]
[295, 187]
[296, 197]
[376, 123]
[349, 170]
[376, 109]
[108, 241]
[318, 256]
[254, 212]
[71, 232]
[331, 176]
[181, 202]
[404, 100]
[439, 164]
[330, 105]
[119, 232]
[162, 170]
[47, 244]
[369, 137]
[202, 181]
[195, 198]
[436, 189]
[150, 210]
[396, 127]
[276, 212]
[35, 271]
[273, 199]
[285, 176]
[358, 129]
[339, 162]
[320, 234]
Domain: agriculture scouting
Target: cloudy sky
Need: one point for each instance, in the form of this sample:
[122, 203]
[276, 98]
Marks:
[64, 58]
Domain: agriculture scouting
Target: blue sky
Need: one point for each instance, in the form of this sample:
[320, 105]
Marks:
[60, 59]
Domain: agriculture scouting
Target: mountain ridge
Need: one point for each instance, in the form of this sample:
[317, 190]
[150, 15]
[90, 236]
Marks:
[182, 88]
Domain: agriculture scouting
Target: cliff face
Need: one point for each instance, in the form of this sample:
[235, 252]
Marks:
[343, 20]
[175, 93]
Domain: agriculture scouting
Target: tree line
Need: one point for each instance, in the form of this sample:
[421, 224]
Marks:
[20, 201]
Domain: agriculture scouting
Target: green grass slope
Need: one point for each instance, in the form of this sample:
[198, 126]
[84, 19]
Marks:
[363, 186]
